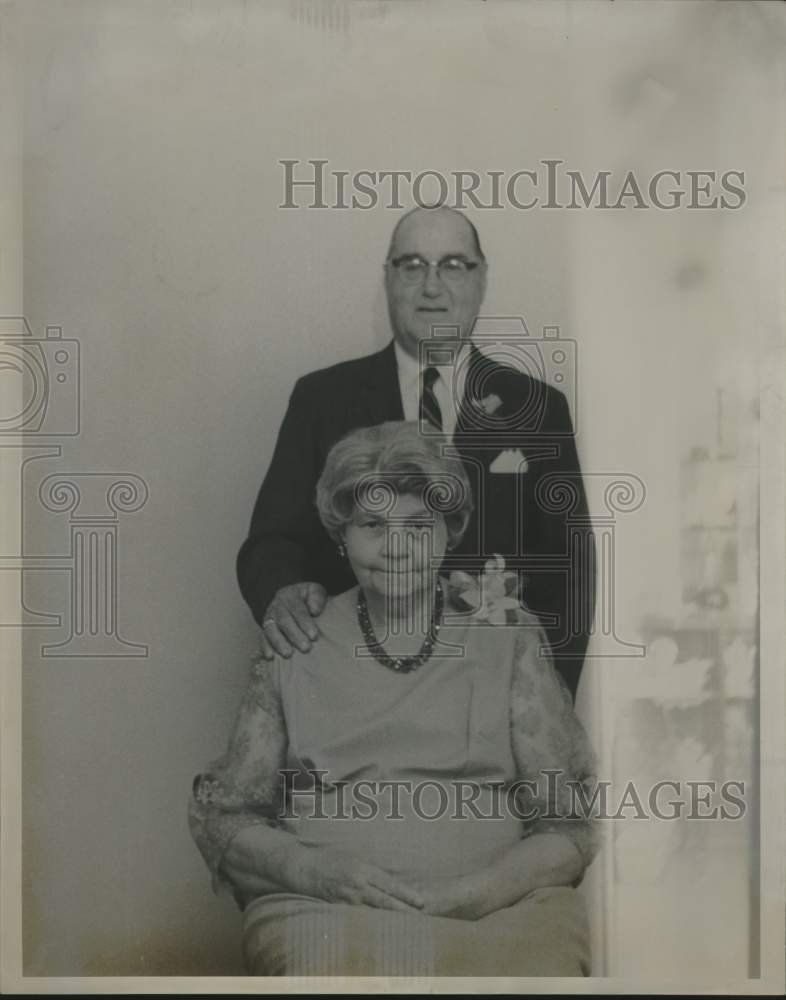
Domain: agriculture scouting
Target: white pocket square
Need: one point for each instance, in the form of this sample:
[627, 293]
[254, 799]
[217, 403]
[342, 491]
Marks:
[510, 460]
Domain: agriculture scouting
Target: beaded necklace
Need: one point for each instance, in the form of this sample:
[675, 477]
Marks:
[401, 664]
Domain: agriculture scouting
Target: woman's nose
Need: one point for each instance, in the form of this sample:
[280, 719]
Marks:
[404, 543]
[394, 544]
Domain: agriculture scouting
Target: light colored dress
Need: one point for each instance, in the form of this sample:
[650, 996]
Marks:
[487, 708]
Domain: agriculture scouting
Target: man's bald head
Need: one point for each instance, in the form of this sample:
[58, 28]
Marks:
[425, 209]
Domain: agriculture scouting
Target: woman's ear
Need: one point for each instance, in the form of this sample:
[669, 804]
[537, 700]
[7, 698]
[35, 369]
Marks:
[456, 528]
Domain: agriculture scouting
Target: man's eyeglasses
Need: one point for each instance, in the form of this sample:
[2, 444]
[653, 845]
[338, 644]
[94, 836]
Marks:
[413, 269]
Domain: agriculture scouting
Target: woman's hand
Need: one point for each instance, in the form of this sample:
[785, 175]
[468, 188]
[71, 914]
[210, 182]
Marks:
[535, 862]
[341, 877]
[261, 859]
[463, 897]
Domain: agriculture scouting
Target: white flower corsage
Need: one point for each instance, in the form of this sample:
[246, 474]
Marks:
[206, 789]
[491, 597]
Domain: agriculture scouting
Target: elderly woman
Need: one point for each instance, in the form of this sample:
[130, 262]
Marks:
[402, 799]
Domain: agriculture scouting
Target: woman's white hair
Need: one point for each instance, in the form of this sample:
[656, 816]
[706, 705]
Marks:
[370, 466]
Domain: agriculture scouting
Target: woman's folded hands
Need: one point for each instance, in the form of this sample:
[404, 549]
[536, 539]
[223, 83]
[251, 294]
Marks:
[462, 897]
[261, 859]
[341, 877]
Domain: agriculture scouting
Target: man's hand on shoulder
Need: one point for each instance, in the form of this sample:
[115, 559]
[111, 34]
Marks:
[289, 619]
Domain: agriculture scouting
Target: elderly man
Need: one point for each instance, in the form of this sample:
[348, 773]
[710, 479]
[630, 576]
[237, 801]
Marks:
[435, 278]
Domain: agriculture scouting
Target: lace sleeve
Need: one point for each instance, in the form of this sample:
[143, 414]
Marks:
[556, 765]
[243, 787]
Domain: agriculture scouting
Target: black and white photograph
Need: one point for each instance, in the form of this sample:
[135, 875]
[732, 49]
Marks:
[393, 485]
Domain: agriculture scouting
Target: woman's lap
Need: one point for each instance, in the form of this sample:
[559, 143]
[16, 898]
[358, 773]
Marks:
[544, 934]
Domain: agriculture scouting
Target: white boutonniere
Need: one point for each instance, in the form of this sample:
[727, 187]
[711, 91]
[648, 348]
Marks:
[491, 597]
[489, 404]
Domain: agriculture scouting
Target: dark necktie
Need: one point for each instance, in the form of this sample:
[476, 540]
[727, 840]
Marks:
[429, 407]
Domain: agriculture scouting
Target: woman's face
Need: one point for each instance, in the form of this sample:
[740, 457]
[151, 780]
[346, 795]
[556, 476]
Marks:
[396, 553]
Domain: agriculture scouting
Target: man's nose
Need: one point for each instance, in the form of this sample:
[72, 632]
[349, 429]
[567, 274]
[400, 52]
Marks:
[432, 283]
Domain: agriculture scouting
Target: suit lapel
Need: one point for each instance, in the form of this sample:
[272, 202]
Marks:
[380, 397]
[485, 372]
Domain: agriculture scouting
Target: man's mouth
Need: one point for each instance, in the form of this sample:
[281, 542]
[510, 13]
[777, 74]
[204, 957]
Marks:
[432, 309]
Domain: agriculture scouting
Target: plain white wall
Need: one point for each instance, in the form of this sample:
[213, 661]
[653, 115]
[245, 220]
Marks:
[152, 234]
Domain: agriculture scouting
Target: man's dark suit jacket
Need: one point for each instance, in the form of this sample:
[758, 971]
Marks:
[287, 543]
